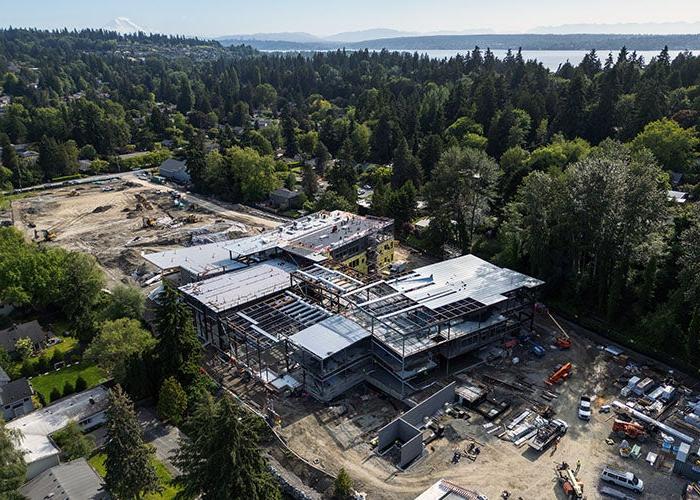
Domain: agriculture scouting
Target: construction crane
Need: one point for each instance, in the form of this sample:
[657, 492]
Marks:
[562, 373]
[562, 341]
[632, 430]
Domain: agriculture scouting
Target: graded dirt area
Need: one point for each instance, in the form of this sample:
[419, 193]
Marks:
[330, 441]
[117, 221]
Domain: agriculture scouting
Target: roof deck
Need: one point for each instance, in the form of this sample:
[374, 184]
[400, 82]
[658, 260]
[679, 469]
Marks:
[241, 286]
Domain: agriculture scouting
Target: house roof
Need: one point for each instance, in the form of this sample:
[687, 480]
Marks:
[285, 193]
[33, 330]
[4, 377]
[37, 425]
[74, 480]
[172, 166]
[330, 336]
[14, 391]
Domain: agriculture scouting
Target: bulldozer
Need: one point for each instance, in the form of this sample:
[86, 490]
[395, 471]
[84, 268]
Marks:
[562, 373]
[631, 430]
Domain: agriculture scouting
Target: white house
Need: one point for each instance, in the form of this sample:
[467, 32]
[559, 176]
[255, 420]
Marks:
[87, 408]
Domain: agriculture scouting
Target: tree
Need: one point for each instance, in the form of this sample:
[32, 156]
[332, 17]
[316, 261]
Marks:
[322, 157]
[13, 468]
[462, 190]
[130, 473]
[116, 342]
[178, 350]
[220, 453]
[196, 160]
[673, 146]
[406, 168]
[68, 389]
[381, 141]
[289, 133]
[172, 401]
[9, 159]
[72, 442]
[125, 301]
[55, 395]
[342, 487]
[80, 384]
[24, 347]
[309, 180]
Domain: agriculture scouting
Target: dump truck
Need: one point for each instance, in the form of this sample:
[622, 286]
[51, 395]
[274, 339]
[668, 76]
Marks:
[548, 433]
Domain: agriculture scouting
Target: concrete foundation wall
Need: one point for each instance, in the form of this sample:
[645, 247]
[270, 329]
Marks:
[406, 428]
[429, 406]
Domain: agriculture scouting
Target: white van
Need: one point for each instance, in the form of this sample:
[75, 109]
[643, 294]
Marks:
[624, 479]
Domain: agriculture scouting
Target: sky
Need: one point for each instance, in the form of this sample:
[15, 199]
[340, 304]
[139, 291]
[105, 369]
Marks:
[212, 18]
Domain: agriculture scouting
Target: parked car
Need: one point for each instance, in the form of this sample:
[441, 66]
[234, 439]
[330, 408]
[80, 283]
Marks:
[584, 407]
[623, 479]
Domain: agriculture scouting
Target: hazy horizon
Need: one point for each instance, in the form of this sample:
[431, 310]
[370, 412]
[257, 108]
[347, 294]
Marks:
[215, 18]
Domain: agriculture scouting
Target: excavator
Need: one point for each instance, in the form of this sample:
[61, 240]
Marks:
[632, 430]
[570, 484]
[562, 373]
[562, 341]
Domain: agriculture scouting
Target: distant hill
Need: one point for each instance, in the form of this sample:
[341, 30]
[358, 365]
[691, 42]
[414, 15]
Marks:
[623, 28]
[293, 37]
[370, 34]
[529, 41]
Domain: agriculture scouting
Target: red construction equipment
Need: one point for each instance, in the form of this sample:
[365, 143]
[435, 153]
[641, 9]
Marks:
[632, 430]
[562, 341]
[561, 374]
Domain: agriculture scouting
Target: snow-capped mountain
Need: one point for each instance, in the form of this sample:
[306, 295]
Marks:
[123, 26]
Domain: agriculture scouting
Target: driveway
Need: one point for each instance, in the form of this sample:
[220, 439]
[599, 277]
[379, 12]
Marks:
[164, 438]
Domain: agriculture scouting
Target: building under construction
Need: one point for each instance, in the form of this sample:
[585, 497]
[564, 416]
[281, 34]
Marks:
[325, 326]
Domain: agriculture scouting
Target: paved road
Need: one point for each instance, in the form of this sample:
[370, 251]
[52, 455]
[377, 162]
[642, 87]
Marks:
[74, 182]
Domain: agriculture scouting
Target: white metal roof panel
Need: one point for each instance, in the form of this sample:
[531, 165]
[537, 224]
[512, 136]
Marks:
[330, 336]
[229, 290]
[468, 276]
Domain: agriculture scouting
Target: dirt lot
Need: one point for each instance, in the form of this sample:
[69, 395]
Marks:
[330, 441]
[119, 220]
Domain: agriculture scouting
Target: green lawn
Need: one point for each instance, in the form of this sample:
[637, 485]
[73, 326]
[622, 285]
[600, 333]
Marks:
[169, 492]
[68, 345]
[44, 384]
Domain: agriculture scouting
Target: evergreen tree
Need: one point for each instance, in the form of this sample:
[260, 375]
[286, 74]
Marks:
[220, 453]
[172, 401]
[289, 133]
[196, 160]
[322, 157]
[128, 463]
[406, 168]
[178, 349]
[342, 487]
[380, 144]
[10, 160]
[309, 181]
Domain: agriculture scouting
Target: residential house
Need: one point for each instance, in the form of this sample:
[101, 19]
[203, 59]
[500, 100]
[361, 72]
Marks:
[175, 170]
[285, 199]
[32, 330]
[74, 480]
[16, 399]
[87, 408]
